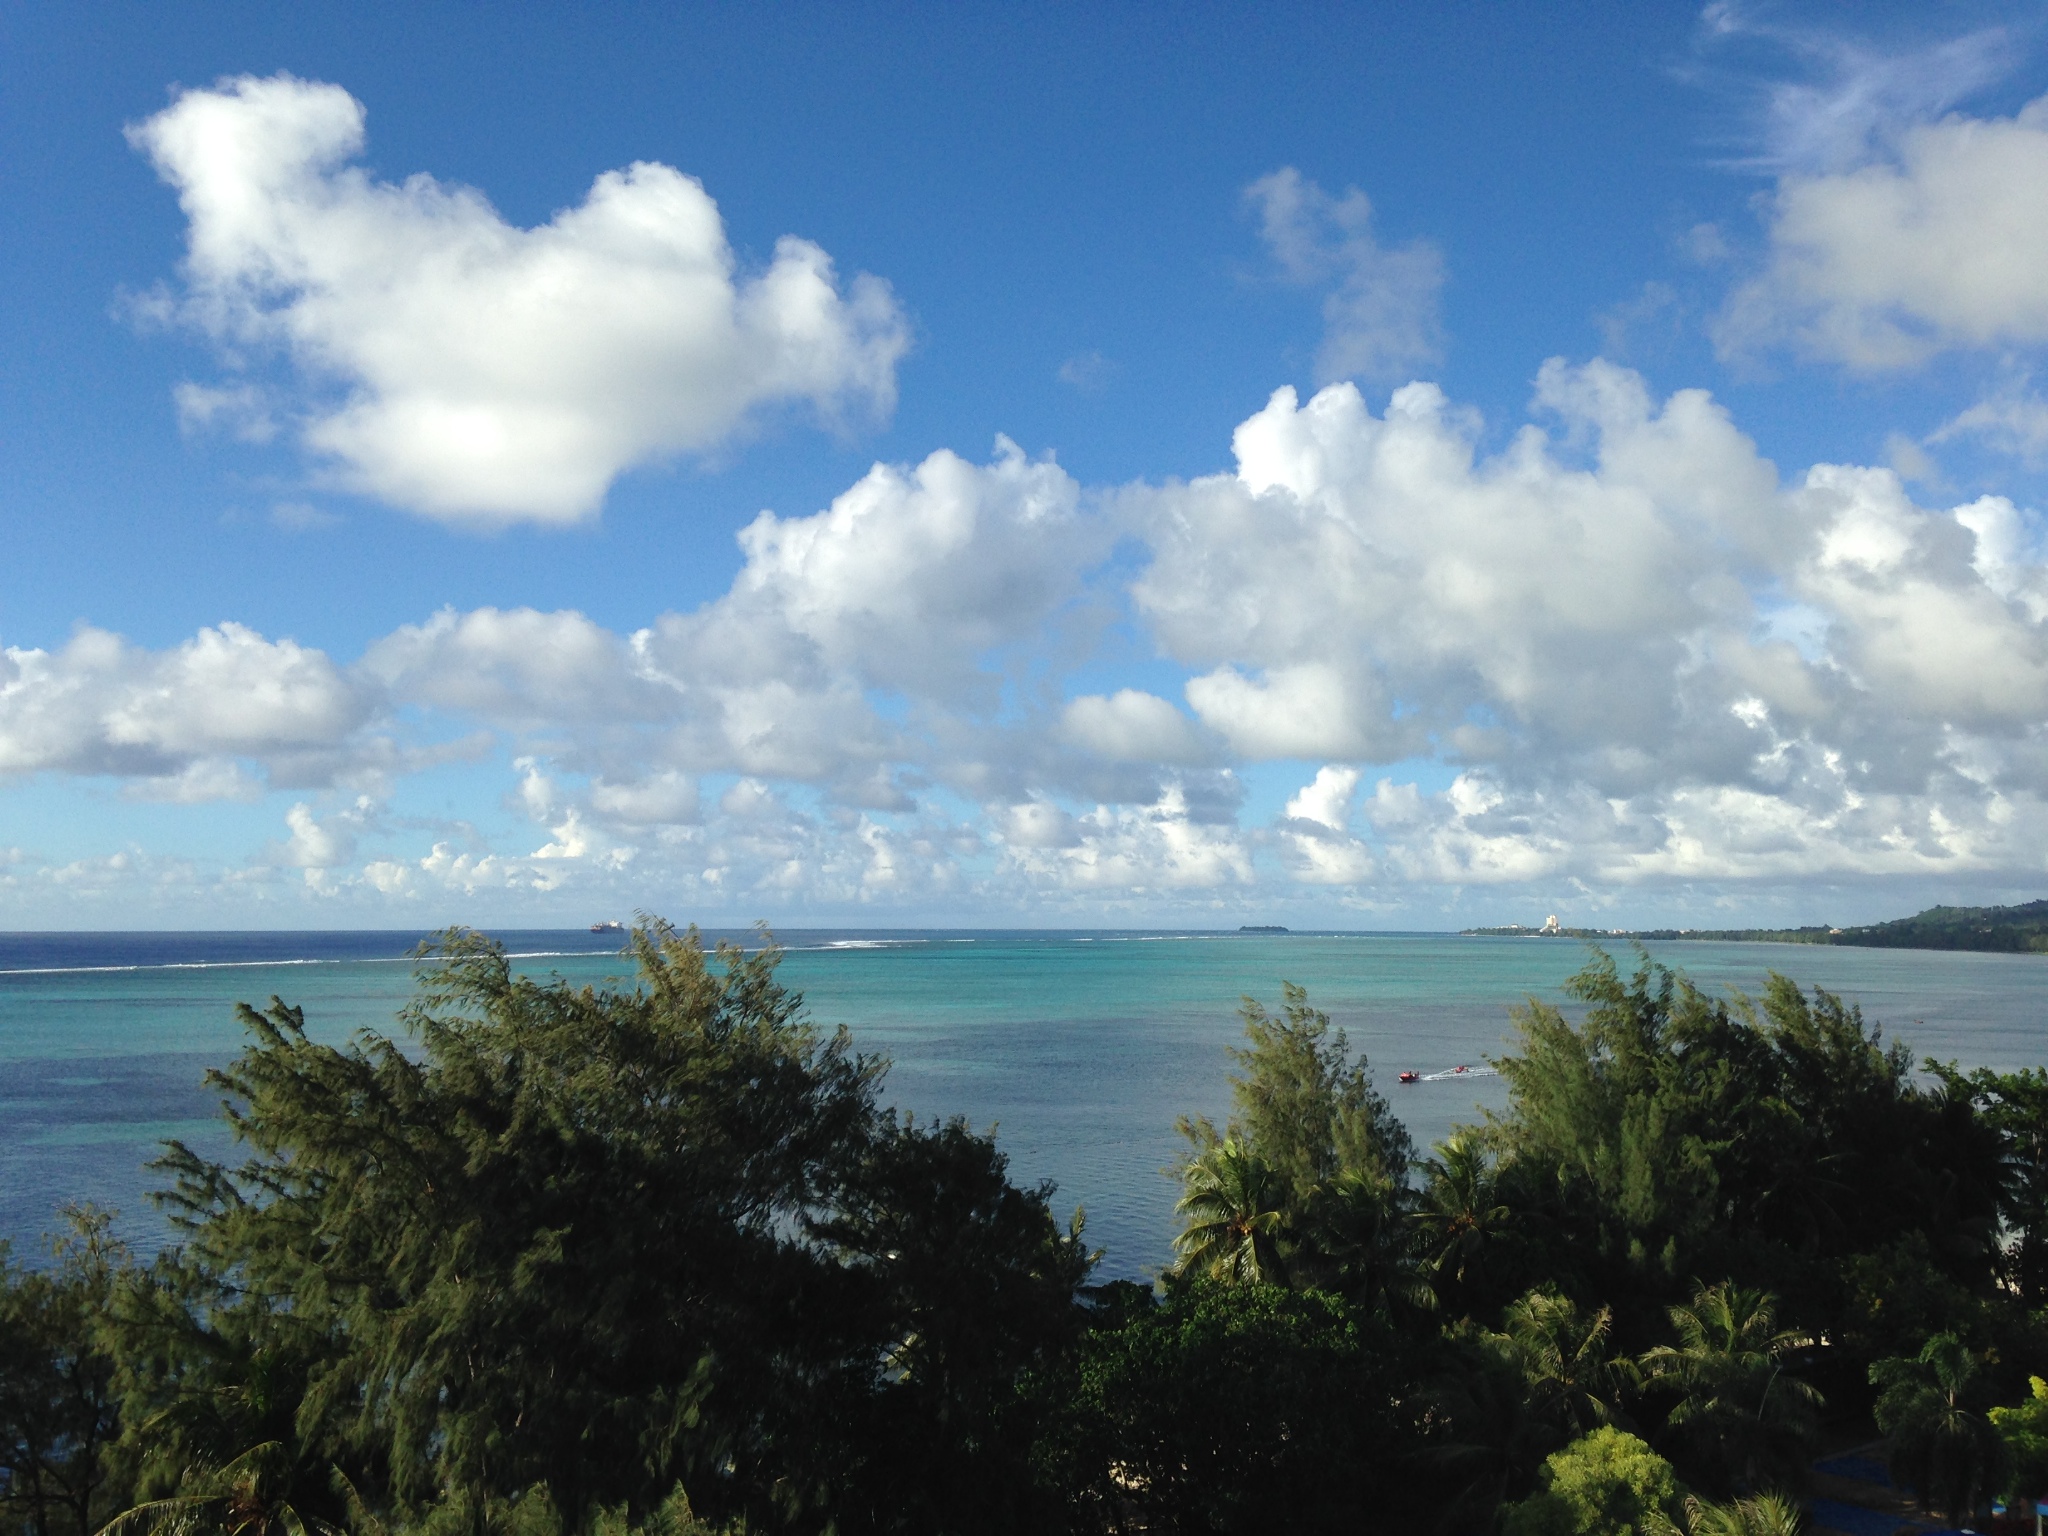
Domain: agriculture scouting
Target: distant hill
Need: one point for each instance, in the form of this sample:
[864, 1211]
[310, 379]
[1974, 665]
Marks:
[2005, 930]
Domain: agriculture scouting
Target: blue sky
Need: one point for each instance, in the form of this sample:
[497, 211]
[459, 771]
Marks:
[1651, 535]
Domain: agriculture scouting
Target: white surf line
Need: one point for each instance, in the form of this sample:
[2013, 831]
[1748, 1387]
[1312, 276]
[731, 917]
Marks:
[240, 965]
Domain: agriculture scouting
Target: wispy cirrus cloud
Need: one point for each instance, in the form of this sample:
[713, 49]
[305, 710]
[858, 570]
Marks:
[1380, 303]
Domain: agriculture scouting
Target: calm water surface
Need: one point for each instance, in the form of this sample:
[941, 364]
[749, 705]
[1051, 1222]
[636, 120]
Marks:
[1080, 1048]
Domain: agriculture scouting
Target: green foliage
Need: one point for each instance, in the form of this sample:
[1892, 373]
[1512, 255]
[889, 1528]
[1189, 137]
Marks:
[1233, 1209]
[2014, 1105]
[2024, 1429]
[248, 1496]
[58, 1408]
[1572, 1380]
[1768, 1514]
[1229, 1408]
[532, 1512]
[601, 1242]
[1309, 1184]
[2004, 929]
[968, 1286]
[1671, 1134]
[1462, 1225]
[1506, 1400]
[1745, 1421]
[1305, 1105]
[1607, 1483]
[1938, 1443]
[564, 1254]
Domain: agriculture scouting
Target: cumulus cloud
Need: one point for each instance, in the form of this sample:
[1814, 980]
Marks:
[1931, 244]
[174, 721]
[1132, 726]
[1631, 652]
[1317, 827]
[463, 367]
[661, 799]
[1366, 588]
[1380, 305]
[1135, 850]
[518, 667]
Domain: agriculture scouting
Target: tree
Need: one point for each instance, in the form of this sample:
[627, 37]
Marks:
[1309, 1183]
[1768, 1514]
[973, 1284]
[1507, 1400]
[604, 1241]
[1460, 1219]
[1233, 1217]
[1353, 1238]
[1939, 1445]
[214, 1385]
[1607, 1483]
[58, 1410]
[1746, 1421]
[1305, 1105]
[249, 1496]
[1572, 1381]
[2015, 1106]
[1232, 1408]
[1671, 1134]
[2024, 1429]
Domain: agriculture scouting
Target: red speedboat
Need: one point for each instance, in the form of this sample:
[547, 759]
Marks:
[1411, 1077]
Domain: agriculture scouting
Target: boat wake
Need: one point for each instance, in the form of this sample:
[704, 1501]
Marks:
[1449, 1074]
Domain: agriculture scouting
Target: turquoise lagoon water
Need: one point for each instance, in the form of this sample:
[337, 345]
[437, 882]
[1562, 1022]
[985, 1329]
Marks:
[1079, 1048]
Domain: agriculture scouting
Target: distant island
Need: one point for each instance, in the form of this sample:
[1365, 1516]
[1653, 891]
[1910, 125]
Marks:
[2003, 930]
[1261, 928]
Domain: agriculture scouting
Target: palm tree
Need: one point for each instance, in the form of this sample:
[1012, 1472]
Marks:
[1746, 1420]
[1234, 1213]
[249, 1496]
[1768, 1514]
[1946, 1452]
[1573, 1384]
[1490, 1442]
[1353, 1239]
[1461, 1217]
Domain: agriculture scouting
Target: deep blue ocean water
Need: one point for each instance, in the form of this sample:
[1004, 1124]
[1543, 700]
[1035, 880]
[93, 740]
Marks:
[1080, 1048]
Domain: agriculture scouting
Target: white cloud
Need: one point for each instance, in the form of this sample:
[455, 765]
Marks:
[1638, 657]
[519, 667]
[1305, 710]
[660, 799]
[1394, 590]
[1135, 850]
[911, 578]
[1380, 311]
[1933, 245]
[1318, 830]
[318, 843]
[102, 706]
[1089, 372]
[1132, 726]
[1326, 799]
[468, 369]
[1846, 98]
[2012, 420]
[240, 410]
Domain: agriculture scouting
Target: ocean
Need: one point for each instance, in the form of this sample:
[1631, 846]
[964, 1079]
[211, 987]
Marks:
[1078, 1048]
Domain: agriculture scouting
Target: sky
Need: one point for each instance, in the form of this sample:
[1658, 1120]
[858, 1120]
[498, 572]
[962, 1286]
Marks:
[1000, 466]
